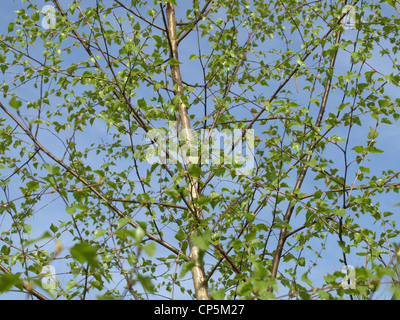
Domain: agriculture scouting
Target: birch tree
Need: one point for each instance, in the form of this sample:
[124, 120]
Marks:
[199, 149]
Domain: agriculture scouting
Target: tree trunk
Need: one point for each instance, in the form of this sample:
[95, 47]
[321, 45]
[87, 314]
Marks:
[199, 278]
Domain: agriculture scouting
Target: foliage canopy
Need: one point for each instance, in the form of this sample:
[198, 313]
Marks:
[90, 89]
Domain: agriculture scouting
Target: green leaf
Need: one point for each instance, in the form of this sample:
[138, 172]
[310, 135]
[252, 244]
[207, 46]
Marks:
[53, 228]
[396, 293]
[180, 235]
[27, 228]
[71, 209]
[301, 261]
[304, 278]
[345, 248]
[202, 241]
[98, 233]
[174, 62]
[194, 170]
[219, 295]
[45, 235]
[32, 186]
[10, 27]
[250, 217]
[7, 281]
[15, 103]
[250, 236]
[340, 212]
[313, 162]
[301, 62]
[324, 295]
[245, 288]
[142, 103]
[150, 248]
[4, 68]
[132, 260]
[84, 252]
[373, 134]
[138, 234]
[70, 284]
[174, 194]
[106, 297]
[72, 68]
[122, 222]
[392, 3]
[203, 200]
[364, 169]
[358, 149]
[146, 283]
[53, 169]
[267, 105]
[373, 149]
[185, 268]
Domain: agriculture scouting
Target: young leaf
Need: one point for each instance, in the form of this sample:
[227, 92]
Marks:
[84, 252]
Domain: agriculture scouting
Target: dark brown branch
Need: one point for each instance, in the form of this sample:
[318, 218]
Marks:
[302, 175]
[140, 16]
